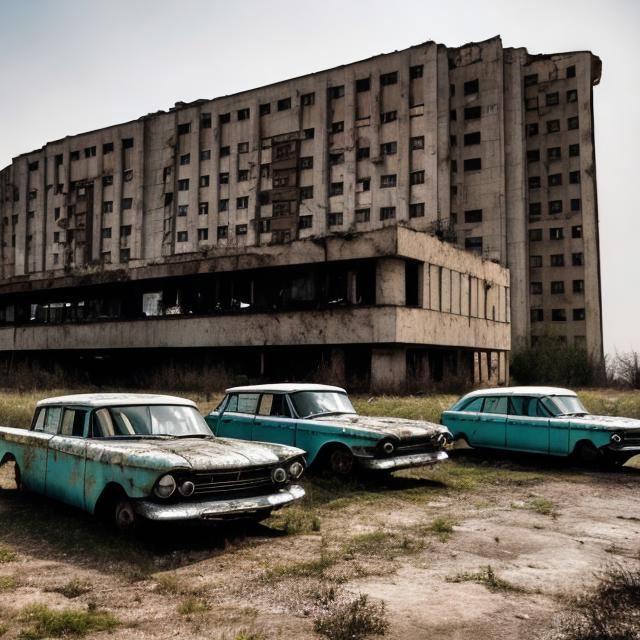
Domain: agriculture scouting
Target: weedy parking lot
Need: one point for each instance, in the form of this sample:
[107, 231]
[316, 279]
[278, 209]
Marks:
[497, 545]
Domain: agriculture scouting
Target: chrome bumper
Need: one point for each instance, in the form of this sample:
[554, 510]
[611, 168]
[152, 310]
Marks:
[218, 509]
[403, 462]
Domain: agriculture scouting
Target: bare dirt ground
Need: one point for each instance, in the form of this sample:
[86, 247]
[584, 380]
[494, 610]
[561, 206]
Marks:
[488, 546]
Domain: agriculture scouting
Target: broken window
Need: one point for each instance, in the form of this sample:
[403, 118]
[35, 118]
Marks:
[572, 95]
[222, 232]
[284, 104]
[127, 203]
[363, 184]
[554, 179]
[127, 143]
[203, 234]
[557, 286]
[90, 152]
[552, 99]
[225, 151]
[182, 236]
[33, 166]
[417, 142]
[243, 147]
[554, 153]
[106, 233]
[362, 153]
[416, 177]
[555, 206]
[471, 138]
[535, 288]
[363, 84]
[265, 171]
[204, 181]
[387, 213]
[532, 129]
[337, 127]
[308, 99]
[74, 155]
[56, 236]
[416, 210]
[553, 126]
[264, 225]
[305, 222]
[203, 209]
[557, 260]
[128, 175]
[533, 155]
[576, 259]
[388, 181]
[534, 182]
[473, 244]
[576, 204]
[335, 219]
[107, 181]
[168, 199]
[574, 177]
[556, 233]
[336, 189]
[578, 286]
[576, 231]
[531, 79]
[223, 118]
[535, 208]
[243, 175]
[472, 113]
[242, 202]
[205, 121]
[241, 229]
[388, 116]
[185, 158]
[416, 71]
[473, 216]
[205, 154]
[265, 109]
[558, 315]
[387, 79]
[125, 230]
[571, 71]
[471, 86]
[223, 178]
[336, 158]
[535, 261]
[107, 206]
[223, 205]
[183, 210]
[306, 193]
[244, 114]
[183, 185]
[107, 147]
[363, 215]
[388, 148]
[281, 209]
[309, 133]
[573, 122]
[574, 150]
[473, 164]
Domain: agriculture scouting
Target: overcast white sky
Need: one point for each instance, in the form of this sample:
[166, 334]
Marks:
[72, 66]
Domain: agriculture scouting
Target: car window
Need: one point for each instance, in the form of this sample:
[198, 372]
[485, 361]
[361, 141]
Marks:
[523, 406]
[38, 425]
[73, 422]
[493, 404]
[266, 402]
[274, 404]
[243, 403]
[474, 405]
[52, 419]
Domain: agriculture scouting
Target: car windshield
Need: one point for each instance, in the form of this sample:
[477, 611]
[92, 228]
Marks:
[321, 403]
[564, 405]
[149, 420]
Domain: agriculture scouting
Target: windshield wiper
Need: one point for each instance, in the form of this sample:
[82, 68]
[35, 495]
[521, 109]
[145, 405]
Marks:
[194, 435]
[327, 413]
[573, 414]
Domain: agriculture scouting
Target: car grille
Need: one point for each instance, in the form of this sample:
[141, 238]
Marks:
[629, 440]
[234, 482]
[417, 445]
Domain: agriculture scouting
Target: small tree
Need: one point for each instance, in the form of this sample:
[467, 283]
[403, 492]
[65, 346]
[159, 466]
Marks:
[627, 369]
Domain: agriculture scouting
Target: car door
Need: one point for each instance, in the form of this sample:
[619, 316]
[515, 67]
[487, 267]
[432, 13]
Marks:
[490, 428]
[33, 460]
[236, 421]
[464, 422]
[527, 425]
[66, 456]
[273, 421]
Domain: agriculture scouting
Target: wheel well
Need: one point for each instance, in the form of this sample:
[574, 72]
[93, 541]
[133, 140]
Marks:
[8, 457]
[584, 441]
[326, 450]
[107, 500]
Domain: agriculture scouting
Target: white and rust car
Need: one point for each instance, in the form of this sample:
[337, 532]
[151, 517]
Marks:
[132, 456]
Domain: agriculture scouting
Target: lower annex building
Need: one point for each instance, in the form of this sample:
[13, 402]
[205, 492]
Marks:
[386, 223]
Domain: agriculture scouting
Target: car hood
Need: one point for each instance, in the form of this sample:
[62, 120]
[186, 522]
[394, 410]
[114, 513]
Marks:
[200, 454]
[398, 427]
[612, 423]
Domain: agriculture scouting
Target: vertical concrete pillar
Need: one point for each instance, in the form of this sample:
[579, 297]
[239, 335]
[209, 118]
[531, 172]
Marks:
[337, 369]
[388, 370]
[390, 285]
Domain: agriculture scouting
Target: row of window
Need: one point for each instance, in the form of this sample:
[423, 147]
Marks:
[553, 126]
[555, 233]
[553, 153]
[557, 286]
[553, 180]
[557, 260]
[550, 99]
[557, 315]
[554, 206]
[532, 78]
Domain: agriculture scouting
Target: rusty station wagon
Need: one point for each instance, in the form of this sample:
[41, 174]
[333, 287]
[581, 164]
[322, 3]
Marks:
[321, 420]
[132, 456]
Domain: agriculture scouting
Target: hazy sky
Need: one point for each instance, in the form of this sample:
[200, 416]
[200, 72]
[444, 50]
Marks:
[68, 67]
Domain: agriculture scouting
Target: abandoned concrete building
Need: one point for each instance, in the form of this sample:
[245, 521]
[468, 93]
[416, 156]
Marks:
[396, 221]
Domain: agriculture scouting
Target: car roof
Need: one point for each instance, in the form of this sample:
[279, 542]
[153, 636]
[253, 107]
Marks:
[522, 391]
[285, 387]
[115, 399]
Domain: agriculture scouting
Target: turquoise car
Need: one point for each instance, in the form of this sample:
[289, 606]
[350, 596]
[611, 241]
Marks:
[541, 420]
[130, 457]
[321, 420]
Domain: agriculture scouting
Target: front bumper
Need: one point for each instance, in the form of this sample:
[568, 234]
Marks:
[219, 509]
[403, 462]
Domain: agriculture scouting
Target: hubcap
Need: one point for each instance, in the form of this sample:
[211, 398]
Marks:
[341, 461]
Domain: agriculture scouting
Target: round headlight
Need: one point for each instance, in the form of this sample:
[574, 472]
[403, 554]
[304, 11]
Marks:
[165, 486]
[616, 438]
[279, 475]
[388, 448]
[296, 469]
[186, 488]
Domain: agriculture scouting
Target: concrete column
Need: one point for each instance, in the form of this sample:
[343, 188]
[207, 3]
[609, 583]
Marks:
[337, 367]
[390, 285]
[388, 369]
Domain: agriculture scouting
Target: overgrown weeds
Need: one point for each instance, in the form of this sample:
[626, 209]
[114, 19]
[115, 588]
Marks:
[487, 577]
[7, 555]
[191, 605]
[74, 588]
[46, 623]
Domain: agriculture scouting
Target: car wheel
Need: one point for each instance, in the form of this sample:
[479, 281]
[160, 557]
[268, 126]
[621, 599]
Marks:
[124, 516]
[587, 453]
[341, 461]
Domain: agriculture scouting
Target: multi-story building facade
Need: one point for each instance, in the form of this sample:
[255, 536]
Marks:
[486, 147]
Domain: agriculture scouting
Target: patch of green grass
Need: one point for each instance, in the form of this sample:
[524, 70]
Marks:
[295, 520]
[305, 568]
[48, 623]
[426, 408]
[7, 555]
[487, 577]
[383, 544]
[74, 588]
[192, 605]
[168, 584]
[442, 528]
[3, 628]
[8, 583]
[543, 506]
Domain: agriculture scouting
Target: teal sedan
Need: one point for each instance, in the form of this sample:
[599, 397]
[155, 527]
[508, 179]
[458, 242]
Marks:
[321, 420]
[545, 420]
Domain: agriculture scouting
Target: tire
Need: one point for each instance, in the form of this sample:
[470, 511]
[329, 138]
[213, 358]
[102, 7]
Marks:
[586, 453]
[340, 461]
[18, 477]
[125, 518]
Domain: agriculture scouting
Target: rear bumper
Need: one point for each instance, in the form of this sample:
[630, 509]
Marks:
[219, 509]
[403, 462]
